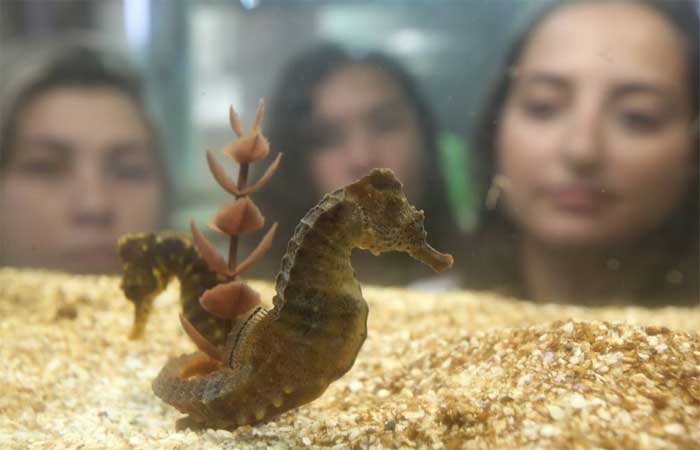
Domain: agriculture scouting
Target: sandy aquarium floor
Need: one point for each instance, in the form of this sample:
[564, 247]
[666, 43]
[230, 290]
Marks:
[455, 370]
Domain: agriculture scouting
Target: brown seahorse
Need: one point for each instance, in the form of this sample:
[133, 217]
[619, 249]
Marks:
[287, 356]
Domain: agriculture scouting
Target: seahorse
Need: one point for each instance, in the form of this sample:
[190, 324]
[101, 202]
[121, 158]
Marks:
[280, 358]
[150, 261]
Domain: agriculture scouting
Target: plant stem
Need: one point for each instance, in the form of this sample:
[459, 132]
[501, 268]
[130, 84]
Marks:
[233, 242]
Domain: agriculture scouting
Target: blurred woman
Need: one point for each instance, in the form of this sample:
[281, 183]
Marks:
[335, 116]
[79, 162]
[590, 158]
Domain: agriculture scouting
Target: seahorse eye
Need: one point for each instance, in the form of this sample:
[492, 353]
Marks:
[384, 180]
[393, 207]
[137, 283]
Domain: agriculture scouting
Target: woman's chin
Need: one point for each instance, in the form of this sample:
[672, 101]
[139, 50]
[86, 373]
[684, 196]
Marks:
[579, 238]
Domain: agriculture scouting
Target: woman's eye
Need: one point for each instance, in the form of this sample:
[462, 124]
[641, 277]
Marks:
[641, 121]
[386, 121]
[540, 109]
[43, 168]
[386, 124]
[328, 138]
[132, 172]
[130, 163]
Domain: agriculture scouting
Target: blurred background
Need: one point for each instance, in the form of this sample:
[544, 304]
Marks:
[198, 57]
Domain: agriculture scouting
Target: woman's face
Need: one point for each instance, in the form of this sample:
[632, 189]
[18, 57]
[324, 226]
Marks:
[594, 139]
[82, 172]
[362, 120]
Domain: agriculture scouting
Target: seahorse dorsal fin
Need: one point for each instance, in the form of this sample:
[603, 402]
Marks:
[239, 331]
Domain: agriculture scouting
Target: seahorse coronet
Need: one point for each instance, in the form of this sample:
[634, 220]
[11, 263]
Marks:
[280, 358]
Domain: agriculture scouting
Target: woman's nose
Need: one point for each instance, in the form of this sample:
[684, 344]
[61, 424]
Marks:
[582, 144]
[91, 198]
[359, 149]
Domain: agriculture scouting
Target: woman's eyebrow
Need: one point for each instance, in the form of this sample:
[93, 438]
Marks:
[396, 103]
[641, 87]
[130, 146]
[48, 143]
[543, 78]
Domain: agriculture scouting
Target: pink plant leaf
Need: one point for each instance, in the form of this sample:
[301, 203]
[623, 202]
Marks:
[262, 247]
[271, 170]
[235, 121]
[217, 170]
[229, 300]
[241, 216]
[208, 252]
[200, 341]
[248, 149]
[245, 142]
[259, 116]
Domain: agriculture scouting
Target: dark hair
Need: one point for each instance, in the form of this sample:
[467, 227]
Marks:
[73, 66]
[288, 129]
[491, 258]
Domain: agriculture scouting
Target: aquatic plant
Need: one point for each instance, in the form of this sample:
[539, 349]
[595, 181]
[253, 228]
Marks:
[231, 299]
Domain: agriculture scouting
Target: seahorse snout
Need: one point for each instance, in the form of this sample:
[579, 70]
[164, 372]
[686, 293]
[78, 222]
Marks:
[432, 258]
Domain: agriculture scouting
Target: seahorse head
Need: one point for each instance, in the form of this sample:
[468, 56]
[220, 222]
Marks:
[136, 254]
[140, 282]
[390, 222]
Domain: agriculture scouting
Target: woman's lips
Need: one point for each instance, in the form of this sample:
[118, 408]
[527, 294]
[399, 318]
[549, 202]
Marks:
[580, 199]
[96, 257]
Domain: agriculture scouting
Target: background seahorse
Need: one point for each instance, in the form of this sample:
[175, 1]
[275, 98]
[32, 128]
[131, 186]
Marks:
[285, 357]
[150, 261]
